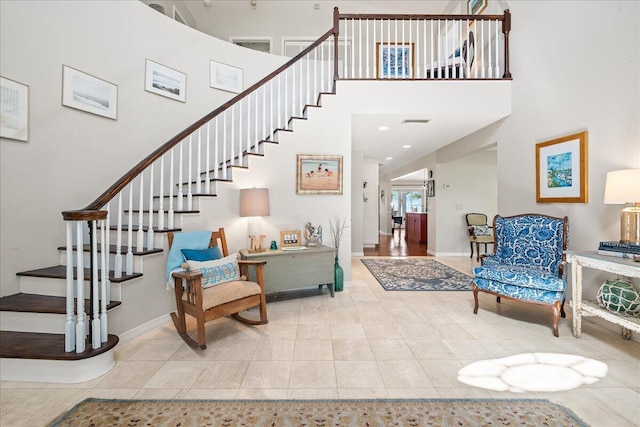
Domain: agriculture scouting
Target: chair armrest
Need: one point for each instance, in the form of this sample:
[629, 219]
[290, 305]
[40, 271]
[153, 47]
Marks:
[251, 262]
[259, 268]
[189, 275]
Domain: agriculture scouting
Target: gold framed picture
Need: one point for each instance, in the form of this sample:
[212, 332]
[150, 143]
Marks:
[318, 174]
[561, 170]
[289, 238]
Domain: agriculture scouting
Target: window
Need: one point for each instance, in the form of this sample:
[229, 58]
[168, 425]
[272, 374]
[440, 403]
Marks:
[407, 200]
[256, 43]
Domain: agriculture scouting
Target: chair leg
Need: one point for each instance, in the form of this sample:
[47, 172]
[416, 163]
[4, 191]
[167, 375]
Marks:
[471, 244]
[202, 339]
[475, 299]
[556, 316]
[497, 299]
[478, 251]
[562, 313]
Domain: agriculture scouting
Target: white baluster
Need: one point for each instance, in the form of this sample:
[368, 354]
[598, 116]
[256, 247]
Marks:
[233, 144]
[249, 124]
[104, 279]
[264, 113]
[432, 50]
[497, 62]
[224, 146]
[180, 194]
[271, 110]
[95, 289]
[190, 175]
[216, 172]
[346, 50]
[286, 98]
[69, 327]
[469, 52]
[207, 176]
[424, 47]
[388, 48]
[199, 164]
[395, 45]
[171, 213]
[239, 124]
[140, 234]
[413, 73]
[293, 92]
[489, 52]
[80, 320]
[482, 50]
[150, 231]
[106, 238]
[161, 198]
[279, 119]
[129, 259]
[367, 48]
[117, 267]
[403, 58]
[353, 56]
[359, 48]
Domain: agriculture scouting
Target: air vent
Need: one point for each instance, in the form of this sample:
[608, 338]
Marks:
[423, 121]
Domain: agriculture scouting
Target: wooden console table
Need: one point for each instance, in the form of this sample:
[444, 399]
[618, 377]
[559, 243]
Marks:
[621, 266]
[287, 270]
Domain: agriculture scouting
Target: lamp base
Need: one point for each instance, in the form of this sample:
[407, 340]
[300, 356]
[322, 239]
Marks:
[256, 243]
[630, 225]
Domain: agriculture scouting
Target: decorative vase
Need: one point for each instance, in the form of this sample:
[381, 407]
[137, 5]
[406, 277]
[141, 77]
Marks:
[338, 277]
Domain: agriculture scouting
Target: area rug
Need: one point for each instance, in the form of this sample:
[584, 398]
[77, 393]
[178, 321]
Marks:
[411, 274]
[319, 413]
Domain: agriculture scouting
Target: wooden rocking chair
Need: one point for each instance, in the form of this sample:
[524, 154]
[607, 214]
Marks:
[225, 299]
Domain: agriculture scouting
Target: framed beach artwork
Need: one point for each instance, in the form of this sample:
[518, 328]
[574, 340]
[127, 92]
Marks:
[319, 174]
[88, 93]
[165, 81]
[561, 170]
[475, 7]
[394, 60]
[225, 77]
[14, 110]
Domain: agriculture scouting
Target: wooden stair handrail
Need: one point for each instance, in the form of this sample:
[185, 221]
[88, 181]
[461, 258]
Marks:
[414, 16]
[92, 210]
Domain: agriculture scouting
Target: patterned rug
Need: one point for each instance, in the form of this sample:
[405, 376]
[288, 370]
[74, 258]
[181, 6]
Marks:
[411, 274]
[319, 413]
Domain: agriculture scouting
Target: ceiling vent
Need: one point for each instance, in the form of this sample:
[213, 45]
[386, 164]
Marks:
[422, 121]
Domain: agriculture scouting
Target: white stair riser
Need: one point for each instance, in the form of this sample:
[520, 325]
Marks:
[58, 287]
[58, 371]
[33, 322]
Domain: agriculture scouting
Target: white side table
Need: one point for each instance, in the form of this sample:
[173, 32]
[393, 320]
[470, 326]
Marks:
[621, 266]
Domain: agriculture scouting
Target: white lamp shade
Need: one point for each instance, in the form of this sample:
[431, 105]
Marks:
[254, 202]
[622, 187]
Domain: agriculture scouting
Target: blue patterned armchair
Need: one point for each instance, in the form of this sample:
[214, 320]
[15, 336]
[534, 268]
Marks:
[528, 262]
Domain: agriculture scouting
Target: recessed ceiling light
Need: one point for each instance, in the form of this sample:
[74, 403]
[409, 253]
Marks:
[406, 146]
[389, 158]
[383, 128]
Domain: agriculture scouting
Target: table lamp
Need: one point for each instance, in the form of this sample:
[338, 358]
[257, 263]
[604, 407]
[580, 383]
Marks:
[254, 203]
[623, 187]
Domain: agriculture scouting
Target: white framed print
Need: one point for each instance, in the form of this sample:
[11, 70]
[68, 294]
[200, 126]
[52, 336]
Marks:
[225, 77]
[165, 81]
[88, 93]
[14, 110]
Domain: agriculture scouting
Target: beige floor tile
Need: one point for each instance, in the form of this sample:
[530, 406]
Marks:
[468, 349]
[313, 350]
[589, 408]
[274, 350]
[430, 350]
[130, 374]
[156, 350]
[313, 332]
[352, 350]
[236, 350]
[279, 331]
[403, 374]
[416, 331]
[185, 352]
[111, 393]
[358, 374]
[443, 373]
[382, 331]
[346, 332]
[262, 393]
[624, 401]
[312, 393]
[211, 393]
[363, 393]
[176, 373]
[391, 350]
[287, 317]
[158, 393]
[310, 374]
[222, 374]
[463, 393]
[413, 393]
[267, 375]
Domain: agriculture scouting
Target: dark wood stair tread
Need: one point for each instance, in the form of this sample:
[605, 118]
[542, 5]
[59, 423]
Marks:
[195, 194]
[60, 272]
[137, 211]
[125, 227]
[123, 250]
[35, 303]
[32, 345]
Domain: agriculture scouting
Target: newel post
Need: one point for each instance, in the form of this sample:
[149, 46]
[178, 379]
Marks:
[336, 32]
[506, 28]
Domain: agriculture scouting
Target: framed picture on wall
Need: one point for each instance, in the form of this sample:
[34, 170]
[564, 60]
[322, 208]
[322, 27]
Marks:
[394, 60]
[14, 110]
[318, 174]
[561, 170]
[85, 92]
[225, 77]
[165, 81]
[431, 188]
[475, 7]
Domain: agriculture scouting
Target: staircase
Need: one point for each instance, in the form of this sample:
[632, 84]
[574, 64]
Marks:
[56, 328]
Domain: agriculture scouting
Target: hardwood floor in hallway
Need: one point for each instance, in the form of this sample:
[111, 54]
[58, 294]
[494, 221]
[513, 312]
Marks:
[396, 245]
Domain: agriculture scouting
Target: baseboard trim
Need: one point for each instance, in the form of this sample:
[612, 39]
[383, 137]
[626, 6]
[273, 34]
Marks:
[145, 327]
[357, 253]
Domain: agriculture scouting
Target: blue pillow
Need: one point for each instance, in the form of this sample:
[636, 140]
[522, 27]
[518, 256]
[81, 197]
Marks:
[208, 254]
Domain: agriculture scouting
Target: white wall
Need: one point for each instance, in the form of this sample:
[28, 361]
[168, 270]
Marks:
[370, 213]
[357, 206]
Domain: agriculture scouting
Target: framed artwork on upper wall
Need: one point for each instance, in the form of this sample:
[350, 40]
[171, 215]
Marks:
[561, 170]
[225, 77]
[475, 7]
[431, 188]
[394, 60]
[14, 110]
[319, 174]
[88, 93]
[165, 81]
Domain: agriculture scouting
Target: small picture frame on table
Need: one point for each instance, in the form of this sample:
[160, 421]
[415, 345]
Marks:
[290, 238]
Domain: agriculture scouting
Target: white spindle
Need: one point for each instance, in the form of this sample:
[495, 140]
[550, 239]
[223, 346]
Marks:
[140, 235]
[286, 99]
[482, 49]
[190, 175]
[240, 139]
[117, 268]
[403, 57]
[395, 46]
[199, 163]
[353, 55]
[432, 49]
[497, 62]
[171, 213]
[272, 113]
[180, 194]
[424, 48]
[388, 49]
[207, 175]
[264, 111]
[161, 198]
[489, 52]
[150, 231]
[95, 289]
[232, 144]
[106, 238]
[80, 320]
[359, 48]
[224, 145]
[469, 52]
[373, 46]
[216, 162]
[104, 278]
[412, 73]
[308, 71]
[249, 124]
[69, 327]
[129, 259]
[279, 119]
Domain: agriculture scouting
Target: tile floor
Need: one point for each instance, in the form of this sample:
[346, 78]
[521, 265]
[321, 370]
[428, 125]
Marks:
[364, 343]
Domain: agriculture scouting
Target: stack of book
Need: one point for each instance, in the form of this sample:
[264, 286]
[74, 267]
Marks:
[617, 249]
